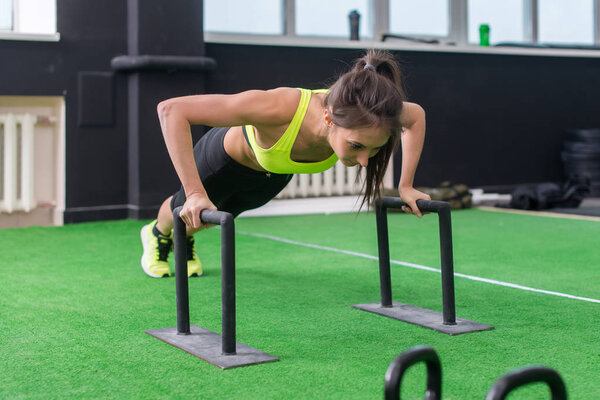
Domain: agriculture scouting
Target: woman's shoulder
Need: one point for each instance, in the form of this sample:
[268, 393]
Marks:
[411, 112]
[276, 95]
[268, 107]
[283, 93]
[284, 99]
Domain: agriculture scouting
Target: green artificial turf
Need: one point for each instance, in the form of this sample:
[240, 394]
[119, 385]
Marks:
[74, 305]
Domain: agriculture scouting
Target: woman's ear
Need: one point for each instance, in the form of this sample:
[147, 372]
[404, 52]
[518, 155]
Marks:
[327, 118]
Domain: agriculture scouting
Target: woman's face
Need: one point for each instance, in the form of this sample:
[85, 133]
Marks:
[356, 146]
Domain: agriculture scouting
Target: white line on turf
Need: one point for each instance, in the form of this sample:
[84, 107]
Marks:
[421, 267]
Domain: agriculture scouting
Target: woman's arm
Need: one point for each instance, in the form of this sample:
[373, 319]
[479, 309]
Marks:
[254, 107]
[413, 137]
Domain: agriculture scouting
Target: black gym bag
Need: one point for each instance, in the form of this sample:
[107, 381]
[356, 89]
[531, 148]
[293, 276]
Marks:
[551, 195]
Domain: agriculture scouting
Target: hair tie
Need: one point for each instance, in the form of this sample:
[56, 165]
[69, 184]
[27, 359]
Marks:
[371, 67]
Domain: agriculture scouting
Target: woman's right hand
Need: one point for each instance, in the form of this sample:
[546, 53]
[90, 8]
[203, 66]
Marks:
[193, 206]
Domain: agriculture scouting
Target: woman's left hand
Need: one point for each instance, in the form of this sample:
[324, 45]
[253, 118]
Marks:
[410, 195]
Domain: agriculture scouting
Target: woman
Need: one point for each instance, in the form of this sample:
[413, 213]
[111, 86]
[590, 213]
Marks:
[261, 138]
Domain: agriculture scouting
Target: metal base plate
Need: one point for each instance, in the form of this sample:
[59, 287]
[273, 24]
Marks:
[423, 317]
[206, 345]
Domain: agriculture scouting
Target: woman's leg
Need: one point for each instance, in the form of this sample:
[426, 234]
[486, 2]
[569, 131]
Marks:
[157, 243]
[165, 218]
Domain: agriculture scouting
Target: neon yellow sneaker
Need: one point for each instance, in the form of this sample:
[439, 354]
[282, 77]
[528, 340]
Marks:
[156, 252]
[193, 263]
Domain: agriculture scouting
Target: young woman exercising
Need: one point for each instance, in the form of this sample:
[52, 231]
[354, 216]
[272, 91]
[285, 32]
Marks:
[261, 138]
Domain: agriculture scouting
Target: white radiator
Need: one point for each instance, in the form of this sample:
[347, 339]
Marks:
[336, 181]
[17, 162]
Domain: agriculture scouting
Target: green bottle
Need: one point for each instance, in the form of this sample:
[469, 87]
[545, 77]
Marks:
[484, 35]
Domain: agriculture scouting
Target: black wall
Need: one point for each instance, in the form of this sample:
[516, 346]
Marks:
[91, 34]
[493, 120]
[116, 162]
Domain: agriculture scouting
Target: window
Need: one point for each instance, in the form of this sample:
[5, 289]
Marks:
[6, 15]
[330, 18]
[566, 21]
[28, 16]
[455, 22]
[243, 16]
[504, 17]
[423, 18]
[36, 16]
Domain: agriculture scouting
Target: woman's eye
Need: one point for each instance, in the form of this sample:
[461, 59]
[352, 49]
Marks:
[355, 146]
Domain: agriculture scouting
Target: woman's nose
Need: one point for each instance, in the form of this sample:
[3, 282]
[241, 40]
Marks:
[363, 159]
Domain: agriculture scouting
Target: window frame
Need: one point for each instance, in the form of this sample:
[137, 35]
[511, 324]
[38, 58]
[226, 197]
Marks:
[456, 41]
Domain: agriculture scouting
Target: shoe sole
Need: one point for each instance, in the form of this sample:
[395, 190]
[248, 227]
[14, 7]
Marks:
[144, 266]
[195, 274]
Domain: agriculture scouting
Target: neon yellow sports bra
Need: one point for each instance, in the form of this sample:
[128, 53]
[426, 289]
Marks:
[277, 158]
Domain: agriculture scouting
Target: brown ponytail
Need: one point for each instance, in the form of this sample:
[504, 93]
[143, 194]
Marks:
[370, 95]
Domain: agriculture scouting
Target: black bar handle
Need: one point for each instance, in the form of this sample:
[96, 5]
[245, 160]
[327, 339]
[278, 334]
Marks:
[216, 217]
[526, 375]
[424, 205]
[208, 216]
[228, 311]
[408, 358]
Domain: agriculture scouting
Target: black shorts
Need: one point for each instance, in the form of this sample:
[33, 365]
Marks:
[231, 186]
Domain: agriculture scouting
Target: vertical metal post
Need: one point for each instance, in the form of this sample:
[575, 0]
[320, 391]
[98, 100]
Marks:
[597, 22]
[459, 33]
[181, 278]
[289, 18]
[384, 254]
[228, 284]
[530, 21]
[379, 22]
[449, 315]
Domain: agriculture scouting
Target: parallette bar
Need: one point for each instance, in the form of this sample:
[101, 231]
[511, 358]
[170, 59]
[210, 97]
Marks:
[442, 208]
[448, 323]
[221, 350]
[227, 274]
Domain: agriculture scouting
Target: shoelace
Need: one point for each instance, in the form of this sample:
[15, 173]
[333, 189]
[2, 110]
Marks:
[164, 247]
[191, 251]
